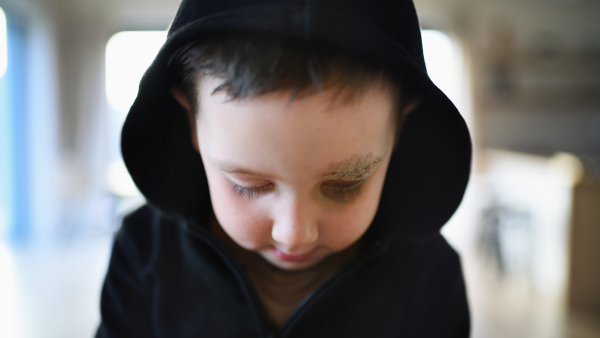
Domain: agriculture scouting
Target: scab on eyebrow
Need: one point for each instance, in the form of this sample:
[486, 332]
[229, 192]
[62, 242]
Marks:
[356, 168]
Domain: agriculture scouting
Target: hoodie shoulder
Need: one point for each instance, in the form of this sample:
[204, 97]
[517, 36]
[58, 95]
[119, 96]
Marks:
[126, 302]
[136, 233]
[442, 286]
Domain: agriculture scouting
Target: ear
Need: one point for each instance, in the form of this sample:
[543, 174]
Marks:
[181, 98]
[410, 106]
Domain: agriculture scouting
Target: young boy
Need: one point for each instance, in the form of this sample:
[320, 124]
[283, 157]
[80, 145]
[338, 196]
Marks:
[298, 164]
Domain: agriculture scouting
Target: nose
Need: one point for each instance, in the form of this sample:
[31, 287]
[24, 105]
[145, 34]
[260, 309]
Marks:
[295, 224]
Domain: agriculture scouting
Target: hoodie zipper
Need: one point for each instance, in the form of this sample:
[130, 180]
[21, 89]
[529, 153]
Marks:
[336, 276]
[252, 296]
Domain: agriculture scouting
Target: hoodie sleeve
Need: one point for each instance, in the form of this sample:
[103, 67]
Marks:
[125, 303]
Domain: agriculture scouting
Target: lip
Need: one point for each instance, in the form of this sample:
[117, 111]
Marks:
[293, 258]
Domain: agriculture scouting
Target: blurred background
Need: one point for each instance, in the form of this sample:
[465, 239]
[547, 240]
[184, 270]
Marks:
[524, 73]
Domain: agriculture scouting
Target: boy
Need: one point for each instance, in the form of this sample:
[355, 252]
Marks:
[298, 164]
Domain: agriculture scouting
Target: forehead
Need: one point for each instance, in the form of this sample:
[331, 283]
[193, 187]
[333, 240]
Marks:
[273, 133]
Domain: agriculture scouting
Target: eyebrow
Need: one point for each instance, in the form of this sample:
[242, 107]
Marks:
[354, 168]
[233, 168]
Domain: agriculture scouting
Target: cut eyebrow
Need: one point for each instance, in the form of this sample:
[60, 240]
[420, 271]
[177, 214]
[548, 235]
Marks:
[355, 168]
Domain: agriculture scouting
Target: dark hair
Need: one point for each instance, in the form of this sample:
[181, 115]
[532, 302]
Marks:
[256, 64]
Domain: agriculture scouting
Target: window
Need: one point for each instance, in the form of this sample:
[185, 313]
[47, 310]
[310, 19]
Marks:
[443, 64]
[3, 44]
[128, 55]
[5, 139]
[14, 193]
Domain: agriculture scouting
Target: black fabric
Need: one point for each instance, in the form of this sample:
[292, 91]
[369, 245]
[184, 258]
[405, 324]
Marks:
[169, 277]
[175, 280]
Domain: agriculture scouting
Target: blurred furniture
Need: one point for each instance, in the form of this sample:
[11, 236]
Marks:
[584, 275]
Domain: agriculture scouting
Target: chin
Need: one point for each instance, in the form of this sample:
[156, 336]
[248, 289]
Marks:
[291, 266]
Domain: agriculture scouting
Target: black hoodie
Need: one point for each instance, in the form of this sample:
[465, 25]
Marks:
[170, 277]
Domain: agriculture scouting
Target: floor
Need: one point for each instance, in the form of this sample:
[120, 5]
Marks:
[54, 291]
[509, 307]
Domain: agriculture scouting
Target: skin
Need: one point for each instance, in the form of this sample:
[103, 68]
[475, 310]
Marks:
[315, 169]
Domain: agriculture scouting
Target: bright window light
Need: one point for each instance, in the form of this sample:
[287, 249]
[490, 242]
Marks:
[3, 44]
[128, 55]
[442, 62]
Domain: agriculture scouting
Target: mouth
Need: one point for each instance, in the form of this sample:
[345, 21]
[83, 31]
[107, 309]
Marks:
[293, 258]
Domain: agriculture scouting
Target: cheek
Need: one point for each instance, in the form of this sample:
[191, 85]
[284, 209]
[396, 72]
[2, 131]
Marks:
[342, 228]
[241, 218]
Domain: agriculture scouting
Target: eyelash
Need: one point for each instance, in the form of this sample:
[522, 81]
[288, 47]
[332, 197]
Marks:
[346, 193]
[250, 193]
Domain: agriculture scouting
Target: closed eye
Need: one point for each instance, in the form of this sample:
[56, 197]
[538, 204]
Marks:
[338, 190]
[342, 190]
[250, 193]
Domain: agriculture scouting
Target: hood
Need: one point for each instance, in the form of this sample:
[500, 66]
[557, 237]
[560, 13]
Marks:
[429, 169]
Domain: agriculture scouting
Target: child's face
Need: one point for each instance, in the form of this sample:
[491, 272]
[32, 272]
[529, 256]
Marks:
[282, 178]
